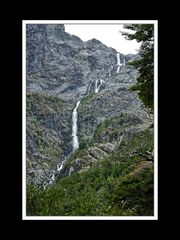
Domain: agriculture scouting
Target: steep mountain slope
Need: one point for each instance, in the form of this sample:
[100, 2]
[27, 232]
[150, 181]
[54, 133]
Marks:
[114, 132]
[119, 184]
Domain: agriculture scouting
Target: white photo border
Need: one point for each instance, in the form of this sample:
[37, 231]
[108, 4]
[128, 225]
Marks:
[105, 22]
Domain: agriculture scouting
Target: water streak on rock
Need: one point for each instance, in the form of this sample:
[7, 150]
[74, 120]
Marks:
[74, 127]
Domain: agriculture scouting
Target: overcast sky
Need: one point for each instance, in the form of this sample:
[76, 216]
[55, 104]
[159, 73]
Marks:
[107, 34]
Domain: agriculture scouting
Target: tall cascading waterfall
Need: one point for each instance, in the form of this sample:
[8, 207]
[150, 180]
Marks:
[118, 62]
[96, 85]
[50, 181]
[74, 127]
[59, 167]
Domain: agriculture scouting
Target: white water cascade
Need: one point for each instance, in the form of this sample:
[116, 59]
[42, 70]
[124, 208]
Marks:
[118, 62]
[89, 88]
[96, 88]
[60, 167]
[118, 69]
[118, 59]
[52, 179]
[74, 127]
[96, 85]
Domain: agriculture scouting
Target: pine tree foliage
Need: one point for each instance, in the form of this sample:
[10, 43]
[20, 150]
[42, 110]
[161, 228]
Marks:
[143, 33]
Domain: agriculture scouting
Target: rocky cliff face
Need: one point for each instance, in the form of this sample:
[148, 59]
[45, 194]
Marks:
[62, 70]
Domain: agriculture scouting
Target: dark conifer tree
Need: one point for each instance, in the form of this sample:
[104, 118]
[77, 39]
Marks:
[143, 33]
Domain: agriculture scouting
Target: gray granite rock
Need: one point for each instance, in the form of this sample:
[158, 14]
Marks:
[62, 69]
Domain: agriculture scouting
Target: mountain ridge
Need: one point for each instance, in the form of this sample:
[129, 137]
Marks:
[62, 70]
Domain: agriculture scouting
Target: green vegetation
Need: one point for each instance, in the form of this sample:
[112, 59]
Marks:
[83, 145]
[143, 33]
[111, 129]
[120, 185]
[42, 103]
[111, 173]
[44, 115]
[100, 191]
[88, 99]
[103, 134]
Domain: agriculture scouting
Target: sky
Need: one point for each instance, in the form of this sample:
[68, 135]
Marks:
[107, 34]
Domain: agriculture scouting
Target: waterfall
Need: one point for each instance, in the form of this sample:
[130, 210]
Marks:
[74, 127]
[51, 180]
[89, 88]
[70, 170]
[118, 69]
[96, 88]
[101, 81]
[118, 62]
[59, 167]
[96, 85]
[118, 59]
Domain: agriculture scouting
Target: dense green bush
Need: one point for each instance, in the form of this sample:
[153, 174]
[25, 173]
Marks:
[83, 145]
